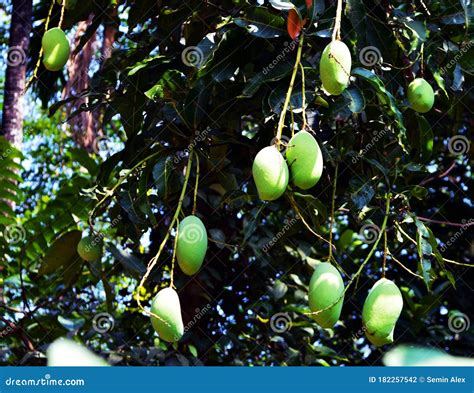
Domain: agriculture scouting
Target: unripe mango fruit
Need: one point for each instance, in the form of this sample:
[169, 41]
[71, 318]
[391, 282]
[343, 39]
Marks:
[326, 288]
[420, 95]
[191, 245]
[335, 67]
[381, 311]
[90, 248]
[55, 49]
[166, 305]
[270, 173]
[305, 160]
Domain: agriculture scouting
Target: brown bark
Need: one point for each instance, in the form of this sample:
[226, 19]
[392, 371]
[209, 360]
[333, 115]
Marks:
[19, 40]
[82, 125]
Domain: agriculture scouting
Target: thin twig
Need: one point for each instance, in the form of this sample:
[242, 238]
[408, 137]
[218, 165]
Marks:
[432, 254]
[38, 62]
[196, 186]
[336, 33]
[336, 171]
[297, 210]
[281, 122]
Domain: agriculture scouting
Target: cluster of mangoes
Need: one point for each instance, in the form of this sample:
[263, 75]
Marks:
[335, 70]
[191, 247]
[380, 313]
[270, 169]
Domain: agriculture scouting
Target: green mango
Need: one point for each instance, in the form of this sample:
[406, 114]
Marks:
[381, 311]
[67, 353]
[270, 173]
[191, 245]
[305, 160]
[335, 67]
[90, 248]
[420, 95]
[55, 49]
[325, 288]
[166, 305]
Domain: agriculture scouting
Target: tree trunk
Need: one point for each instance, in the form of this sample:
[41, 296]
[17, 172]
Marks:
[20, 29]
